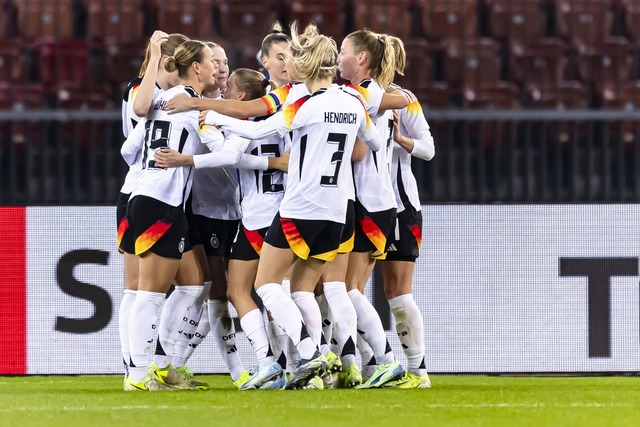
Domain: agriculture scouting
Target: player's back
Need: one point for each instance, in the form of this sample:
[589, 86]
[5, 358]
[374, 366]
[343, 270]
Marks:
[178, 132]
[319, 173]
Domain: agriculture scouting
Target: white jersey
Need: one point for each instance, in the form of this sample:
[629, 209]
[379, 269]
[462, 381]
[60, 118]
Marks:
[324, 125]
[129, 121]
[179, 132]
[412, 124]
[262, 191]
[216, 193]
[372, 175]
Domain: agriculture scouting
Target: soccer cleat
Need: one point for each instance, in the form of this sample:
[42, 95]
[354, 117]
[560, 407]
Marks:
[384, 374]
[315, 383]
[244, 377]
[350, 377]
[334, 366]
[263, 375]
[410, 380]
[170, 376]
[307, 369]
[276, 384]
[189, 376]
[147, 384]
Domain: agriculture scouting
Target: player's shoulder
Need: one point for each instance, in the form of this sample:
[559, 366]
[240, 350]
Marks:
[133, 84]
[410, 95]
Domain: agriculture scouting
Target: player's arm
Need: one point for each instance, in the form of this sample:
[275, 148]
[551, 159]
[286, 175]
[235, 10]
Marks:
[393, 99]
[418, 142]
[228, 107]
[274, 125]
[268, 104]
[359, 151]
[262, 163]
[144, 95]
[368, 133]
[132, 146]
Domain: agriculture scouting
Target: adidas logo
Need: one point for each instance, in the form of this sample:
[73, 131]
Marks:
[392, 248]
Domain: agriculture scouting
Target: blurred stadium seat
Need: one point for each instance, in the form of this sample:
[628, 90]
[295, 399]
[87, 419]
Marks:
[451, 20]
[518, 22]
[328, 15]
[62, 60]
[11, 59]
[418, 71]
[240, 19]
[45, 18]
[606, 69]
[193, 18]
[124, 61]
[383, 16]
[584, 23]
[117, 19]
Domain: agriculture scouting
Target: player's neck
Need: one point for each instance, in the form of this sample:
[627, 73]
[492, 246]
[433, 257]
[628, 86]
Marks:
[314, 85]
[360, 76]
[194, 83]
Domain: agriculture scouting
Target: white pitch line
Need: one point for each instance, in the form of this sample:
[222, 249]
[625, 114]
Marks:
[316, 407]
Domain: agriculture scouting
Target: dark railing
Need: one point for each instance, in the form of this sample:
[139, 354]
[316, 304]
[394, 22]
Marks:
[490, 156]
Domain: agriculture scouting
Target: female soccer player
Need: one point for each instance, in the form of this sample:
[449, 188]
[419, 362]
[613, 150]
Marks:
[412, 138]
[136, 102]
[309, 224]
[156, 210]
[367, 60]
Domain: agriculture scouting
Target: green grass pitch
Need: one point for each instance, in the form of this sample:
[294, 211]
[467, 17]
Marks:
[453, 401]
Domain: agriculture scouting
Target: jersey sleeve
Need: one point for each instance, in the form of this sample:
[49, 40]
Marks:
[370, 99]
[132, 146]
[416, 126]
[253, 162]
[276, 99]
[369, 134]
[224, 151]
[277, 124]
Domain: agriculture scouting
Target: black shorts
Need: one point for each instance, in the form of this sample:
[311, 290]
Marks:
[407, 236]
[248, 244]
[306, 238]
[121, 220]
[216, 235]
[373, 231]
[348, 230]
[158, 227]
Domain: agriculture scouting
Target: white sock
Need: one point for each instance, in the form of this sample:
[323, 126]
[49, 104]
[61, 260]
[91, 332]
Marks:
[291, 351]
[142, 328]
[204, 327]
[286, 313]
[327, 328]
[279, 342]
[344, 320]
[410, 328]
[368, 361]
[172, 320]
[128, 299]
[224, 332]
[253, 325]
[370, 327]
[189, 325]
[310, 311]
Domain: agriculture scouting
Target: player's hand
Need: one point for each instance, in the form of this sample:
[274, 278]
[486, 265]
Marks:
[280, 163]
[168, 158]
[157, 38]
[179, 103]
[202, 117]
[397, 136]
